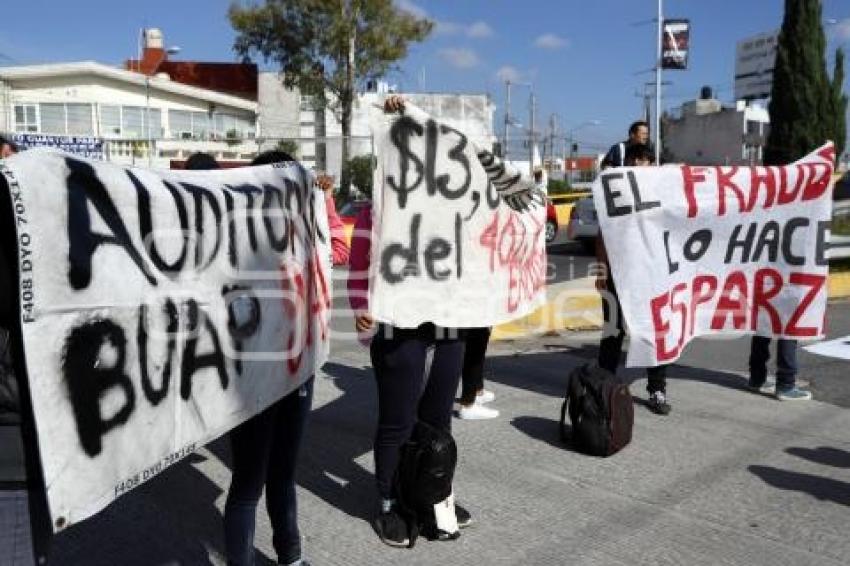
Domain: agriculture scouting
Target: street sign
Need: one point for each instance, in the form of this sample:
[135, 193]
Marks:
[754, 60]
[675, 44]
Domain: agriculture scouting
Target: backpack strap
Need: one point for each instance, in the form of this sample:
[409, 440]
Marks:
[573, 393]
[622, 154]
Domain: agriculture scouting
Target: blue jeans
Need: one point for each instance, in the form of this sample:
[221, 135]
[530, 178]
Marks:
[786, 362]
[265, 453]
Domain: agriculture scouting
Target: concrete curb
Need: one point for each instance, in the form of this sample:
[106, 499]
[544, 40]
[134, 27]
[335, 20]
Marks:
[839, 285]
[577, 306]
[573, 305]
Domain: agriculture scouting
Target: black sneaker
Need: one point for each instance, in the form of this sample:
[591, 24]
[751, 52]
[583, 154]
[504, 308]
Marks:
[658, 403]
[391, 526]
[431, 531]
[464, 518]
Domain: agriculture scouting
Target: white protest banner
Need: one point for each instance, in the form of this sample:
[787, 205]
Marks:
[717, 250]
[453, 243]
[159, 309]
[838, 348]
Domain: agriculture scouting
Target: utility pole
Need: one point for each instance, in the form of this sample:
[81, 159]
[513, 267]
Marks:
[531, 136]
[658, 83]
[507, 118]
[551, 142]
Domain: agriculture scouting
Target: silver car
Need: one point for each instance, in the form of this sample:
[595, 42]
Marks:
[583, 225]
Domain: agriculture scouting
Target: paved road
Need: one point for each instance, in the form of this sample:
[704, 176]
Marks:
[728, 478]
[828, 378]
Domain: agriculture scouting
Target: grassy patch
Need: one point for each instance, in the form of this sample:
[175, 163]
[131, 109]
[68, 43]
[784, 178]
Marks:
[841, 225]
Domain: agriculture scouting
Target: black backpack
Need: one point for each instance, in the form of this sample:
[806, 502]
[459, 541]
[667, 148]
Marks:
[424, 477]
[601, 411]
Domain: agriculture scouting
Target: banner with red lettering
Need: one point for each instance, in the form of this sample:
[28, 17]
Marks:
[458, 236]
[717, 250]
[159, 309]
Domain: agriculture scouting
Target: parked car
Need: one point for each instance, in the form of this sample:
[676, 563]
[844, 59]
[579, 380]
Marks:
[583, 225]
[551, 221]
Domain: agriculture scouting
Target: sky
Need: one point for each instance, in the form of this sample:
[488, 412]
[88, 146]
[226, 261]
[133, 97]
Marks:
[586, 60]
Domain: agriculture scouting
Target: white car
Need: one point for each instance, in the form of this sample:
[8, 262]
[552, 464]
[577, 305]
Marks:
[583, 226]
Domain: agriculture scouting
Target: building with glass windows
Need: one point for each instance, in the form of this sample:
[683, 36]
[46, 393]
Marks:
[139, 118]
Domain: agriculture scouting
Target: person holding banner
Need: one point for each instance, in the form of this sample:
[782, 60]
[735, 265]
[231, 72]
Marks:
[265, 448]
[405, 393]
[785, 388]
[7, 148]
[611, 345]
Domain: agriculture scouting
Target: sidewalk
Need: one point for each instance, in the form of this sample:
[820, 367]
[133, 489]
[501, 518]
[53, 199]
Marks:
[728, 478]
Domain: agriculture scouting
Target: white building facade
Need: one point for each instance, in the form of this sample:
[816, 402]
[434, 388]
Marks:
[140, 119]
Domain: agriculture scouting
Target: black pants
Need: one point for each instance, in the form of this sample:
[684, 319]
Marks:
[398, 358]
[265, 453]
[472, 378]
[612, 344]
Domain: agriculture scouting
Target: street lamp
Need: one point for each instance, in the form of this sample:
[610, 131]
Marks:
[571, 137]
[509, 121]
[170, 51]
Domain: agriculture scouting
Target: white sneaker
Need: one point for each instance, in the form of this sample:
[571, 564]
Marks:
[476, 412]
[484, 396]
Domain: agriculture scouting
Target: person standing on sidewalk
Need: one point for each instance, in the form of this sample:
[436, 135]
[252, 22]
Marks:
[785, 387]
[266, 446]
[473, 396]
[611, 345]
[405, 393]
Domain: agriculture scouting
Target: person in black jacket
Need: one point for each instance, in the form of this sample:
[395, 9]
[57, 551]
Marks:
[638, 135]
[614, 332]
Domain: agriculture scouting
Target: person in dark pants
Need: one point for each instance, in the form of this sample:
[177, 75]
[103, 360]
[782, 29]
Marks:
[265, 454]
[265, 448]
[786, 369]
[473, 395]
[398, 358]
[611, 344]
[405, 392]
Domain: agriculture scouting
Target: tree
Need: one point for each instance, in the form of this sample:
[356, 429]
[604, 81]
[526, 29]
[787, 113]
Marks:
[359, 171]
[288, 146]
[839, 101]
[801, 98]
[328, 47]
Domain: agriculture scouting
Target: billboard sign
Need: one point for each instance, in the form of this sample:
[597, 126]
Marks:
[754, 60]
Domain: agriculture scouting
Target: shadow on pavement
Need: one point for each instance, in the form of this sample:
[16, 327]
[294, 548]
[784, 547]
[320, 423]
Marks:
[544, 430]
[556, 366]
[169, 520]
[337, 435]
[823, 455]
[824, 489]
